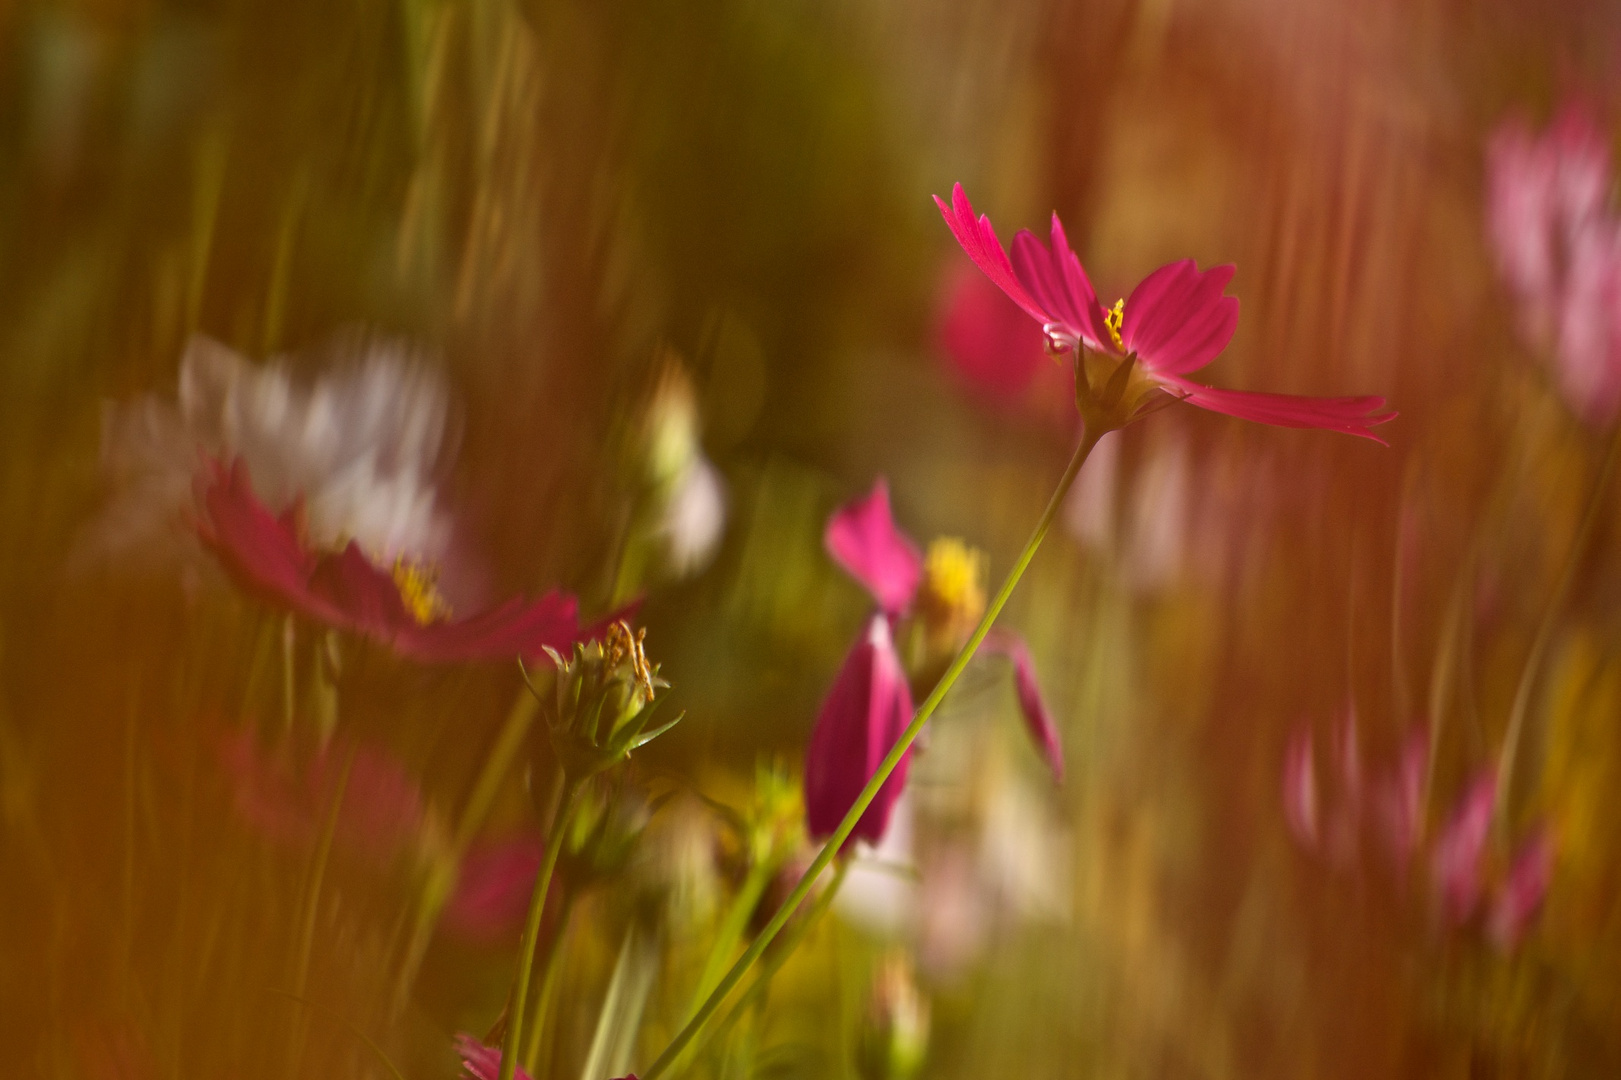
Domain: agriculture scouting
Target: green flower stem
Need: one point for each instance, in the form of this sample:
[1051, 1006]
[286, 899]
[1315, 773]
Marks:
[773, 963]
[1550, 619]
[540, 1018]
[732, 928]
[531, 928]
[885, 767]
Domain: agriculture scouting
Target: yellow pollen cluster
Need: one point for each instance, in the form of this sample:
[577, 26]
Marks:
[419, 592]
[1113, 319]
[621, 646]
[953, 595]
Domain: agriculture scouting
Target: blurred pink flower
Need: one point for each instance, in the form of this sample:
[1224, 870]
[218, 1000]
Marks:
[863, 539]
[870, 703]
[991, 345]
[1300, 787]
[1558, 249]
[493, 884]
[1175, 322]
[1038, 720]
[1521, 893]
[269, 557]
[865, 712]
[483, 1062]
[1455, 862]
[382, 807]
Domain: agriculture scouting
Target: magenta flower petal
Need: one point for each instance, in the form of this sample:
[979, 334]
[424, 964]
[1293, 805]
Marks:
[1522, 891]
[269, 558]
[1350, 415]
[1177, 320]
[1038, 721]
[862, 537]
[1300, 787]
[865, 712]
[493, 885]
[978, 239]
[483, 1062]
[1055, 278]
[1456, 859]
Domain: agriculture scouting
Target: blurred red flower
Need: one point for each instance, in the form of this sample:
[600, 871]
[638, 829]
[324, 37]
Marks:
[1175, 322]
[269, 557]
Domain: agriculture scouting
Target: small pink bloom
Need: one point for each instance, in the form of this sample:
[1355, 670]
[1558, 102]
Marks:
[1300, 787]
[1541, 192]
[868, 707]
[1401, 798]
[1520, 896]
[382, 806]
[493, 885]
[1175, 322]
[1558, 249]
[1589, 324]
[483, 1062]
[1456, 857]
[1038, 720]
[345, 590]
[990, 343]
[863, 539]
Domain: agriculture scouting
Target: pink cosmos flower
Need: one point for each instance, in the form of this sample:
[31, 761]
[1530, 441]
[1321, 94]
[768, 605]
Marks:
[870, 703]
[269, 557]
[1558, 249]
[1038, 719]
[493, 884]
[865, 712]
[483, 1062]
[1455, 862]
[863, 539]
[1175, 322]
[990, 344]
[1521, 893]
[1300, 787]
[382, 808]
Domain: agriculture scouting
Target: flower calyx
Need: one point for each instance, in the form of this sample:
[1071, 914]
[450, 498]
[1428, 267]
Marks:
[1111, 390]
[604, 701]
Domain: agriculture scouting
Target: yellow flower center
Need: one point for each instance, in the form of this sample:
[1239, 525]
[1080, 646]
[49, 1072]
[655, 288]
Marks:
[953, 594]
[419, 591]
[1112, 320]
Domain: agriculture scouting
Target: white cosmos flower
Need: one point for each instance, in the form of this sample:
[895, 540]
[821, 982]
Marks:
[362, 443]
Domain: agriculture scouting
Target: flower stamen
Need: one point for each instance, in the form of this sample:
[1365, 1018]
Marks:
[1113, 319]
[419, 591]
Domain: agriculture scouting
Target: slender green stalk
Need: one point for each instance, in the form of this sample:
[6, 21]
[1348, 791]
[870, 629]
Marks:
[732, 929]
[885, 767]
[1550, 619]
[288, 640]
[516, 1003]
[773, 963]
[540, 1019]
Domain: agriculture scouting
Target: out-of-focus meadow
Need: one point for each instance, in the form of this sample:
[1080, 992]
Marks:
[625, 300]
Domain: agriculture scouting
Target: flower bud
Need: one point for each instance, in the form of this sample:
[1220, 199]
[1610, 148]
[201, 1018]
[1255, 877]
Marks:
[604, 701]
